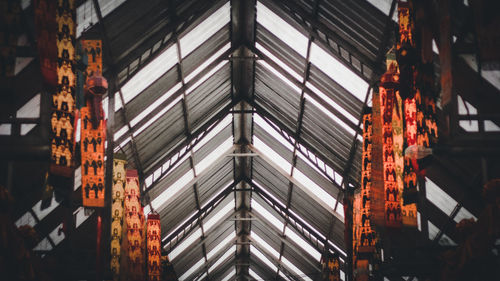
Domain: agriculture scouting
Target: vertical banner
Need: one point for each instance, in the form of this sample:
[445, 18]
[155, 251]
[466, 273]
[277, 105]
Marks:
[134, 219]
[118, 196]
[93, 135]
[63, 99]
[388, 91]
[154, 247]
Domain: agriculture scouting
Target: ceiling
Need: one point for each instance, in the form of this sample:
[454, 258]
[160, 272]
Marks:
[243, 120]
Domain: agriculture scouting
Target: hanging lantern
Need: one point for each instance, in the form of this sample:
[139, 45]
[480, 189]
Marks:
[134, 219]
[117, 195]
[93, 130]
[154, 247]
[63, 100]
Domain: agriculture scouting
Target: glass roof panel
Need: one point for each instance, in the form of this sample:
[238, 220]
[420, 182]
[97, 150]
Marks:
[329, 114]
[230, 251]
[185, 244]
[282, 29]
[214, 155]
[279, 62]
[207, 63]
[314, 188]
[263, 258]
[295, 269]
[273, 155]
[221, 245]
[192, 269]
[267, 215]
[254, 275]
[215, 131]
[328, 100]
[303, 244]
[338, 72]
[264, 244]
[205, 30]
[280, 76]
[272, 131]
[206, 76]
[218, 216]
[230, 275]
[172, 190]
[439, 198]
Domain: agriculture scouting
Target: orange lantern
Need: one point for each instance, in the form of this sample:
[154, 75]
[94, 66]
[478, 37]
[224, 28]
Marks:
[154, 247]
[117, 195]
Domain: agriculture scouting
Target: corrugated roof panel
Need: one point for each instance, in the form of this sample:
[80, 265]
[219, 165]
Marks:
[210, 185]
[270, 179]
[186, 262]
[272, 143]
[335, 91]
[318, 178]
[310, 211]
[282, 51]
[205, 50]
[299, 260]
[263, 232]
[172, 216]
[216, 236]
[168, 180]
[147, 97]
[212, 144]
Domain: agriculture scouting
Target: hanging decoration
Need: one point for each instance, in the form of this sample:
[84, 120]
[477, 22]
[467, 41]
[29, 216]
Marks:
[388, 90]
[93, 128]
[331, 268]
[154, 247]
[364, 236]
[133, 246]
[117, 195]
[63, 99]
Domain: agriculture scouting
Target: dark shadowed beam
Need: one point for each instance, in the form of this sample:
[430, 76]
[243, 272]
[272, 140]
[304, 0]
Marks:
[243, 14]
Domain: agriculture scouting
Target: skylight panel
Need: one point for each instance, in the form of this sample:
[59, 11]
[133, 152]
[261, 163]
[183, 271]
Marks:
[302, 221]
[214, 155]
[273, 156]
[295, 269]
[254, 275]
[263, 258]
[281, 29]
[172, 190]
[185, 244]
[81, 216]
[202, 276]
[26, 219]
[283, 275]
[337, 248]
[463, 214]
[226, 185]
[57, 235]
[338, 72]
[215, 131]
[230, 275]
[303, 244]
[179, 226]
[147, 75]
[192, 269]
[44, 245]
[328, 100]
[157, 116]
[314, 188]
[155, 104]
[465, 107]
[329, 114]
[41, 214]
[206, 76]
[267, 215]
[268, 193]
[270, 130]
[279, 62]
[280, 76]
[205, 30]
[221, 245]
[226, 255]
[439, 198]
[207, 225]
[329, 171]
[444, 240]
[207, 62]
[31, 109]
[264, 244]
